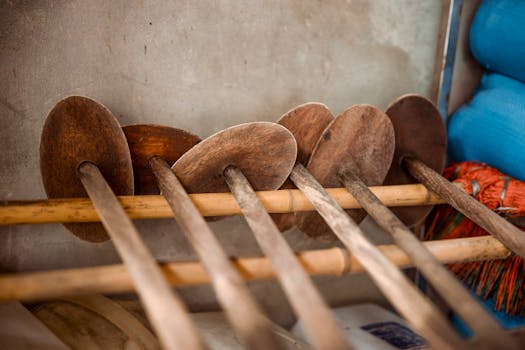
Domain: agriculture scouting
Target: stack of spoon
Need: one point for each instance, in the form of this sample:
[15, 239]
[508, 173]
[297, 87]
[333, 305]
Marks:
[84, 151]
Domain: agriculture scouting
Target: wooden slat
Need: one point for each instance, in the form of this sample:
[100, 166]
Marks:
[209, 204]
[35, 286]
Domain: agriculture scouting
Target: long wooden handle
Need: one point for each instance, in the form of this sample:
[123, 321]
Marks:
[240, 307]
[306, 301]
[35, 286]
[209, 204]
[500, 228]
[402, 294]
[167, 313]
[448, 287]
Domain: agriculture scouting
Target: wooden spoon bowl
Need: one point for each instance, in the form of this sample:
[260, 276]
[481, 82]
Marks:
[264, 152]
[148, 140]
[306, 122]
[361, 139]
[79, 130]
[420, 133]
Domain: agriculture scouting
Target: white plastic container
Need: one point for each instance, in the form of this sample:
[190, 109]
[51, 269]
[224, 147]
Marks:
[219, 335]
[368, 326]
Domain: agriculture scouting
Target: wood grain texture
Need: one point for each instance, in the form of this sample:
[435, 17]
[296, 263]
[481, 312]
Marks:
[424, 317]
[166, 312]
[42, 285]
[147, 140]
[240, 307]
[444, 282]
[76, 130]
[305, 299]
[306, 123]
[508, 234]
[21, 330]
[419, 132]
[265, 153]
[95, 322]
[209, 204]
[362, 139]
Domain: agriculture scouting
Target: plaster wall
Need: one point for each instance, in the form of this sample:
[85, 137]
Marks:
[202, 66]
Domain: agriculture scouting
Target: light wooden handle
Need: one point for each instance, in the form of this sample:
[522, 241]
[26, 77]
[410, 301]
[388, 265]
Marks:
[444, 282]
[509, 234]
[303, 296]
[424, 316]
[239, 305]
[209, 204]
[166, 312]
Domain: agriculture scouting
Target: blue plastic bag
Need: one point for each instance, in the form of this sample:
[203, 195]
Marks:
[497, 37]
[491, 128]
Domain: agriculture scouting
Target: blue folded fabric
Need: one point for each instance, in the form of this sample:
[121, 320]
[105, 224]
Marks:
[491, 127]
[497, 37]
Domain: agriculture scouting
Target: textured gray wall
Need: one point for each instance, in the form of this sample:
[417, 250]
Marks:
[203, 66]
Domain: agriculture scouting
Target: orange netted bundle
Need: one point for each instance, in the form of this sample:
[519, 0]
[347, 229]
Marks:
[501, 280]
[490, 186]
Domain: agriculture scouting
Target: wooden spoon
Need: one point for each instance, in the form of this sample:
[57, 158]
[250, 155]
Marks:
[80, 130]
[149, 143]
[146, 140]
[260, 156]
[422, 134]
[420, 154]
[82, 144]
[348, 143]
[314, 117]
[341, 140]
[411, 304]
[451, 289]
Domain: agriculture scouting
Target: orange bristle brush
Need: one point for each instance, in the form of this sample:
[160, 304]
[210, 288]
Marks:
[502, 281]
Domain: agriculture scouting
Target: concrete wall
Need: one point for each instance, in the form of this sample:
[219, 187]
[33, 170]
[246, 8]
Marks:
[203, 66]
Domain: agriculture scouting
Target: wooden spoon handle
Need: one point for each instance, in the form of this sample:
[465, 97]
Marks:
[302, 294]
[500, 228]
[418, 310]
[167, 313]
[450, 288]
[240, 307]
